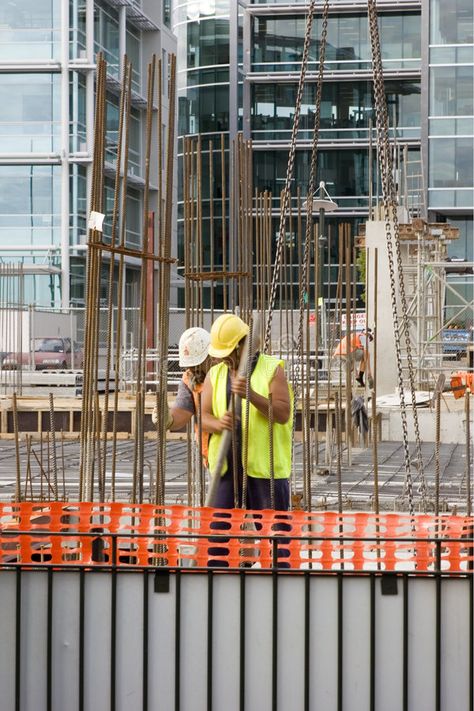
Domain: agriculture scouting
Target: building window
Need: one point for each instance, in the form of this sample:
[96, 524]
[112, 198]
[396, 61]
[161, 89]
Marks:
[77, 113]
[452, 91]
[451, 22]
[29, 29]
[78, 205]
[133, 52]
[451, 162]
[29, 204]
[346, 108]
[30, 114]
[278, 42]
[106, 36]
[167, 13]
[204, 110]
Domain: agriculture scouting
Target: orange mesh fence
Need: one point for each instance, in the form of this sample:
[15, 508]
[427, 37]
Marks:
[95, 534]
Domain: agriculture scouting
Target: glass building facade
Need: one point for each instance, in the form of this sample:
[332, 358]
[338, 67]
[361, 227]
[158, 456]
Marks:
[239, 66]
[47, 75]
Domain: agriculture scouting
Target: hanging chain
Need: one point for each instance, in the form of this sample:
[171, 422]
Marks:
[389, 203]
[285, 200]
[308, 240]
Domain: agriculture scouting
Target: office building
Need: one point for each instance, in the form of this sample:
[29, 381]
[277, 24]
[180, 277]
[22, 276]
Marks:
[239, 66]
[47, 74]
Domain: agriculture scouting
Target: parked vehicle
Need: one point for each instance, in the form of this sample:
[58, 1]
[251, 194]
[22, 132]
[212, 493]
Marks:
[48, 354]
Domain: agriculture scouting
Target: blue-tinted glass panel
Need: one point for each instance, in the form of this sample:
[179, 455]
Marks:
[29, 29]
[78, 204]
[451, 22]
[206, 43]
[278, 42]
[451, 162]
[133, 51]
[106, 36]
[204, 110]
[452, 91]
[77, 112]
[452, 126]
[346, 109]
[77, 29]
[444, 199]
[463, 54]
[30, 113]
[30, 198]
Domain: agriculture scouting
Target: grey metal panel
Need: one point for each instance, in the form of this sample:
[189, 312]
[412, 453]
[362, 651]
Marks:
[323, 644]
[65, 641]
[97, 629]
[161, 646]
[7, 635]
[388, 649]
[129, 647]
[193, 669]
[258, 637]
[225, 643]
[33, 640]
[356, 644]
[454, 645]
[421, 645]
[291, 643]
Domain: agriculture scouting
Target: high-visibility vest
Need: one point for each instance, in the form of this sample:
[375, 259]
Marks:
[196, 389]
[356, 344]
[258, 463]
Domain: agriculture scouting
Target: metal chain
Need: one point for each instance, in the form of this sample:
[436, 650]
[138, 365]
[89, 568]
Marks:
[389, 203]
[308, 242]
[289, 177]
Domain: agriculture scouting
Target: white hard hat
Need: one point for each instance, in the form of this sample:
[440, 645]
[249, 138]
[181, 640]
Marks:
[193, 347]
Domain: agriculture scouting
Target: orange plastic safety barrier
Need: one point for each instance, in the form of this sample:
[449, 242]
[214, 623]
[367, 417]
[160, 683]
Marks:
[460, 382]
[129, 535]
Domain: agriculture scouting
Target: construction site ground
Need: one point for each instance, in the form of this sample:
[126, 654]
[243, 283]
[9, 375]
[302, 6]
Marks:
[357, 478]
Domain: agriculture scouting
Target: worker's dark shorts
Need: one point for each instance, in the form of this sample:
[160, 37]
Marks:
[258, 494]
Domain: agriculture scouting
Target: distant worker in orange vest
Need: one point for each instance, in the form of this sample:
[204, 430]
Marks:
[358, 354]
[194, 357]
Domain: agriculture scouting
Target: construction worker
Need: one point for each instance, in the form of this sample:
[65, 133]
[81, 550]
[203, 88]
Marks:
[267, 376]
[194, 357]
[358, 353]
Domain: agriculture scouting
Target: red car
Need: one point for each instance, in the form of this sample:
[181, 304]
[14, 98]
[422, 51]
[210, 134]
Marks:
[48, 354]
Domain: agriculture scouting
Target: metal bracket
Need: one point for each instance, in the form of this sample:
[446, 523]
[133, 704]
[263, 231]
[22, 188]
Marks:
[162, 581]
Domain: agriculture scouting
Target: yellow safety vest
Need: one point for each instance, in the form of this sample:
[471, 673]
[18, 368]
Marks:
[259, 447]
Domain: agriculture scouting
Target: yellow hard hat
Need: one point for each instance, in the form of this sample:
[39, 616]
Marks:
[226, 332]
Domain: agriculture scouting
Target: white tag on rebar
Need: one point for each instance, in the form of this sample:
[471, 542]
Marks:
[96, 220]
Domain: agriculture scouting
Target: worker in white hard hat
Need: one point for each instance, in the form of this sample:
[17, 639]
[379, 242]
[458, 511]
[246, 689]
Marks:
[267, 375]
[194, 358]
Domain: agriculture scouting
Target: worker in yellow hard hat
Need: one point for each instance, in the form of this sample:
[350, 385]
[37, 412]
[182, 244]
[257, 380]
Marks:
[267, 375]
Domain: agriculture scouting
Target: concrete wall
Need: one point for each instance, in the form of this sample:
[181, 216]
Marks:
[386, 359]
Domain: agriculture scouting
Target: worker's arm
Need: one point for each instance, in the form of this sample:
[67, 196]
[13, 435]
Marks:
[280, 396]
[212, 424]
[180, 418]
[181, 411]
